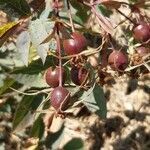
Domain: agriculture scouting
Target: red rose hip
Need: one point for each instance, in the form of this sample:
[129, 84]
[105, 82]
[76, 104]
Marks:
[75, 45]
[79, 75]
[52, 76]
[60, 96]
[118, 60]
[142, 32]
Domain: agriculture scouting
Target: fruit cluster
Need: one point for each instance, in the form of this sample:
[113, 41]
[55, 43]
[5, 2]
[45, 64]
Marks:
[79, 75]
[141, 33]
[118, 61]
[60, 96]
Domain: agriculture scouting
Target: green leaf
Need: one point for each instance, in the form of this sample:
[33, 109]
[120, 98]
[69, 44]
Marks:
[38, 128]
[32, 75]
[19, 6]
[22, 110]
[95, 101]
[76, 144]
[36, 80]
[7, 83]
[25, 113]
[38, 99]
[5, 108]
[35, 67]
[81, 14]
[104, 10]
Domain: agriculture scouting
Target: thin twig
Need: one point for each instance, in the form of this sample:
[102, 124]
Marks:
[133, 67]
[125, 16]
[147, 66]
[34, 93]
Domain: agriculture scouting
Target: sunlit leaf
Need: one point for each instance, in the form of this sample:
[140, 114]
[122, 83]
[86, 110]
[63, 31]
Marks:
[6, 27]
[23, 45]
[38, 32]
[36, 80]
[35, 67]
[48, 38]
[6, 31]
[42, 51]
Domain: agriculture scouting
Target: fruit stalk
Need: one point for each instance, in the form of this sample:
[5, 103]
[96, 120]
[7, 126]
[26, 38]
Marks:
[59, 53]
[58, 43]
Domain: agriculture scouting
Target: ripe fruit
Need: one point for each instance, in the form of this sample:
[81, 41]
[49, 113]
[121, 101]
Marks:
[142, 32]
[52, 76]
[118, 60]
[79, 75]
[75, 45]
[142, 51]
[58, 97]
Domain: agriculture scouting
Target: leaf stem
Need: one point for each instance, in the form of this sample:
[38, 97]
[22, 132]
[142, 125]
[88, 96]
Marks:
[70, 16]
